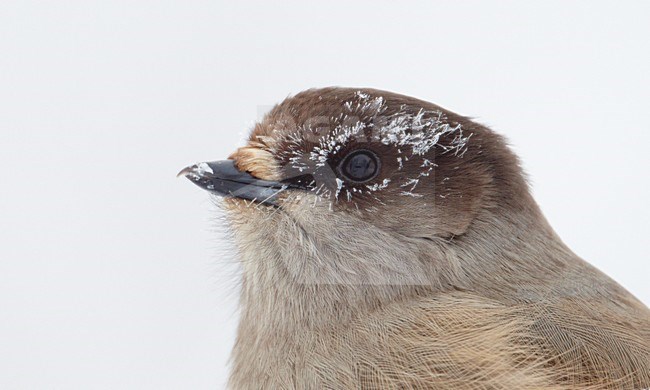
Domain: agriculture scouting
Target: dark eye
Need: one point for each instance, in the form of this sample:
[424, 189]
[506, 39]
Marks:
[360, 166]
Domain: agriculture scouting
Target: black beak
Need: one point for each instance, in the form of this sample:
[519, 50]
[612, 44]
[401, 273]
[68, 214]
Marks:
[222, 178]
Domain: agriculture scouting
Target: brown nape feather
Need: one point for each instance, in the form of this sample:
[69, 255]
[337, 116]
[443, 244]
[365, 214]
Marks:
[439, 273]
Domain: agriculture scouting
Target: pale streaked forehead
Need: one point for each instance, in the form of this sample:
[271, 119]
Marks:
[308, 134]
[332, 121]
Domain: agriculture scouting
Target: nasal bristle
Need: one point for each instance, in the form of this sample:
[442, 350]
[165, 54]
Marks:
[256, 161]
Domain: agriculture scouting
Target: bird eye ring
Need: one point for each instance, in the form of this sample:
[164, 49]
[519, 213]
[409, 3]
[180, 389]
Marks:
[360, 166]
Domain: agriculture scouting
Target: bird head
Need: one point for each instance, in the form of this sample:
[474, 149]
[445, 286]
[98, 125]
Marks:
[361, 186]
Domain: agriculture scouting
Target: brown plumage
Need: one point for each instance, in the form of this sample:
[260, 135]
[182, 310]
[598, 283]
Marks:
[438, 272]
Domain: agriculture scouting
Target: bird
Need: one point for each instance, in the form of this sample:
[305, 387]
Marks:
[388, 243]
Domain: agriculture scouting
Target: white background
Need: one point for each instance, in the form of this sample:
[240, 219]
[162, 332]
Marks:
[114, 274]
